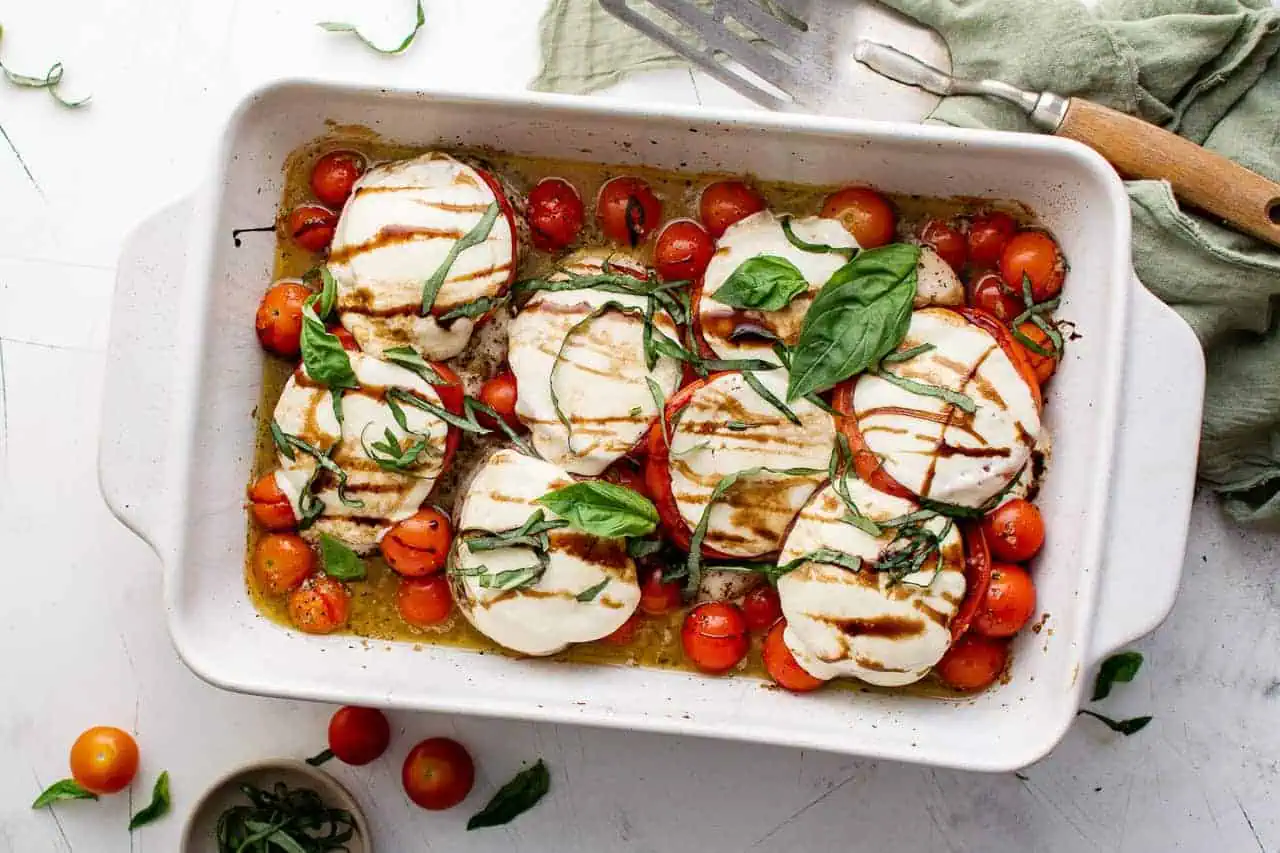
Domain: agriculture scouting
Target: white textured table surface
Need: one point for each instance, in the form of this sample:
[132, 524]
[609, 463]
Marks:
[81, 634]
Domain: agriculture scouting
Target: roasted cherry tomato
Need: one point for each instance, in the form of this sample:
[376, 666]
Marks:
[628, 210]
[104, 759]
[1034, 254]
[333, 176]
[977, 576]
[626, 632]
[1014, 531]
[500, 393]
[270, 505]
[1043, 362]
[311, 226]
[781, 664]
[438, 773]
[282, 561]
[682, 251]
[714, 636]
[973, 662]
[555, 214]
[989, 233]
[989, 293]
[657, 596]
[423, 602]
[320, 606]
[726, 202]
[345, 338]
[949, 243]
[1008, 604]
[761, 607]
[864, 213]
[420, 544]
[625, 472]
[358, 735]
[279, 319]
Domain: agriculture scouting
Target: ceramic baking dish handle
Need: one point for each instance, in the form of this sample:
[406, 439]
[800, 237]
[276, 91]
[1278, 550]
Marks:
[1154, 479]
[132, 462]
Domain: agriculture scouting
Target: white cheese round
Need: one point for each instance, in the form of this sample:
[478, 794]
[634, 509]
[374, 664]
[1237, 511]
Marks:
[396, 230]
[546, 616]
[862, 624]
[936, 282]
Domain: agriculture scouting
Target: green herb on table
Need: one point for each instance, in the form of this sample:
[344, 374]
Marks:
[603, 509]
[1127, 727]
[762, 283]
[339, 561]
[157, 808]
[63, 789]
[287, 820]
[514, 798]
[340, 27]
[49, 82]
[1117, 668]
[474, 237]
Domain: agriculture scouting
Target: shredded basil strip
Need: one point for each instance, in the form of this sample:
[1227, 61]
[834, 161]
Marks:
[466, 424]
[157, 808]
[320, 757]
[1125, 727]
[289, 820]
[769, 397]
[818, 248]
[478, 234]
[659, 400]
[899, 356]
[49, 82]
[391, 456]
[471, 405]
[514, 798]
[592, 592]
[409, 359]
[340, 27]
[476, 308]
[323, 460]
[533, 534]
[1119, 668]
[1034, 312]
[328, 294]
[961, 401]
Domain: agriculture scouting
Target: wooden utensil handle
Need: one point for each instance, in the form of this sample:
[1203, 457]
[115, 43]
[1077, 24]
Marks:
[1245, 199]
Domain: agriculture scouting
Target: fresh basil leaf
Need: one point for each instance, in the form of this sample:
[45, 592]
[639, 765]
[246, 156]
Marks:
[340, 27]
[478, 234]
[281, 442]
[409, 359]
[328, 294]
[466, 424]
[1131, 726]
[64, 789]
[322, 354]
[320, 757]
[826, 556]
[818, 248]
[473, 309]
[513, 578]
[640, 548]
[1117, 668]
[963, 402]
[339, 561]
[514, 798]
[157, 808]
[762, 283]
[323, 460]
[898, 356]
[860, 316]
[603, 509]
[590, 593]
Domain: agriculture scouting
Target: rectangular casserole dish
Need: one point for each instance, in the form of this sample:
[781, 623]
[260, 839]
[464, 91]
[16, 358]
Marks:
[184, 379]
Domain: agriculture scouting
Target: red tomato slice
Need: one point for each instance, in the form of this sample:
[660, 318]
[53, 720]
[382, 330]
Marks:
[451, 395]
[866, 464]
[992, 326]
[977, 576]
[695, 318]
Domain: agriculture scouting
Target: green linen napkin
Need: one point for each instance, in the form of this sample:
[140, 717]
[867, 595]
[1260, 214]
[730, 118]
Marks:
[1205, 69]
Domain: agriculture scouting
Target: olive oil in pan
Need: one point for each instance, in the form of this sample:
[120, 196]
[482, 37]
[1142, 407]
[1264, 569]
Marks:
[373, 612]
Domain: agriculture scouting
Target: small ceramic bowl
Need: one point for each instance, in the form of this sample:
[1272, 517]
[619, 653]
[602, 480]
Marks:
[198, 836]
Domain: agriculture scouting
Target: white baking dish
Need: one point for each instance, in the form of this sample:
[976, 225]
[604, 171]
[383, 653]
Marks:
[183, 383]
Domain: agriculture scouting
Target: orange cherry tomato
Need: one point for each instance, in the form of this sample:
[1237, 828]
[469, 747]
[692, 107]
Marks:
[282, 561]
[269, 504]
[625, 473]
[279, 319]
[761, 607]
[1008, 604]
[726, 202]
[500, 394]
[423, 602]
[973, 662]
[320, 606]
[1034, 254]
[625, 634]
[358, 735]
[657, 596]
[419, 545]
[864, 213]
[1043, 365]
[438, 773]
[311, 226]
[949, 243]
[989, 233]
[555, 214]
[781, 664]
[1014, 531]
[628, 210]
[991, 294]
[104, 759]
[345, 338]
[682, 251]
[714, 636]
[334, 174]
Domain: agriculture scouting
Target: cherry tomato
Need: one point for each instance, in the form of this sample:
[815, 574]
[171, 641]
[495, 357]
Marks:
[423, 602]
[104, 759]
[781, 664]
[1014, 531]
[419, 545]
[1008, 604]
[334, 174]
[358, 735]
[726, 202]
[626, 632]
[973, 662]
[345, 338]
[949, 243]
[1034, 254]
[625, 473]
[761, 607]
[311, 226]
[1043, 365]
[320, 606]
[977, 576]
[714, 636]
[989, 233]
[628, 210]
[555, 214]
[991, 294]
[282, 561]
[682, 251]
[438, 773]
[658, 597]
[864, 213]
[279, 319]
[500, 393]
[269, 504]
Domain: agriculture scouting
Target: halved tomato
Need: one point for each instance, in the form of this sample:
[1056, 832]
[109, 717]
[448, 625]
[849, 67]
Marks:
[977, 576]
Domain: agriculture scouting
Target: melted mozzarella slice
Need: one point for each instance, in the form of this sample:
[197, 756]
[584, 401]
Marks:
[547, 616]
[397, 229]
[727, 428]
[305, 410]
[933, 448]
[762, 234]
[862, 624]
[601, 381]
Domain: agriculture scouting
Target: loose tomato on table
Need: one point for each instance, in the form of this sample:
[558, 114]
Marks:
[761, 607]
[438, 773]
[335, 174]
[1042, 357]
[628, 210]
[947, 241]
[311, 226]
[500, 393]
[1014, 531]
[989, 293]
[658, 596]
[420, 544]
[726, 202]
[279, 318]
[988, 234]
[424, 601]
[320, 605]
[104, 759]
[682, 251]
[864, 213]
[358, 735]
[1035, 256]
[1008, 604]
[269, 505]
[781, 664]
[973, 662]
[714, 636]
[555, 213]
[282, 561]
